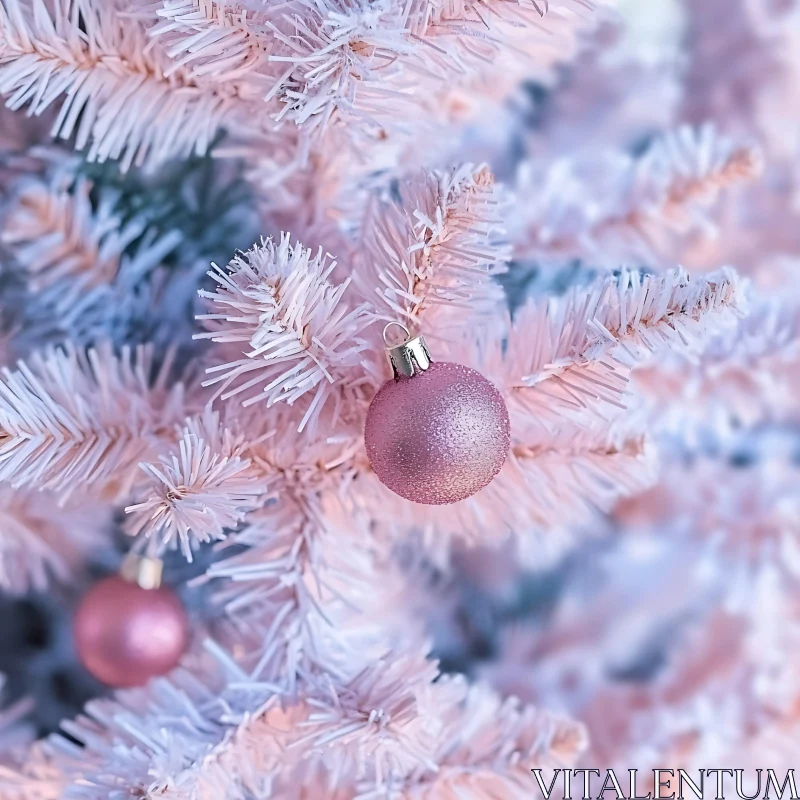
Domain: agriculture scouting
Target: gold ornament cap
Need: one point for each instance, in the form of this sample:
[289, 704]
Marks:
[409, 357]
[144, 571]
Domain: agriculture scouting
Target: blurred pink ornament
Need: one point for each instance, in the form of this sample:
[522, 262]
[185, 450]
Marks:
[437, 432]
[126, 634]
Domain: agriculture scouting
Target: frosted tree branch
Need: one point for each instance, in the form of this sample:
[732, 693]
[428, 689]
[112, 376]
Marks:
[73, 254]
[200, 491]
[71, 419]
[428, 257]
[747, 375]
[620, 207]
[287, 328]
[403, 735]
[43, 540]
[213, 39]
[116, 99]
[588, 342]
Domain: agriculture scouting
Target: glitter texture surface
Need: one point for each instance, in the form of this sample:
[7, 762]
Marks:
[126, 635]
[438, 437]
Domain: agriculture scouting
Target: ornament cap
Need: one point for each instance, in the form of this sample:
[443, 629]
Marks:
[144, 571]
[410, 357]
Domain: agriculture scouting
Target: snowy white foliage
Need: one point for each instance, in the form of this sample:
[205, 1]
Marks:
[291, 330]
[388, 731]
[73, 419]
[43, 539]
[77, 260]
[143, 82]
[209, 37]
[117, 100]
[581, 369]
[206, 488]
[427, 257]
[747, 376]
[613, 206]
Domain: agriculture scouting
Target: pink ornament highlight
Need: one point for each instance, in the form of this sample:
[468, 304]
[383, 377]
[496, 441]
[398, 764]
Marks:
[125, 635]
[439, 436]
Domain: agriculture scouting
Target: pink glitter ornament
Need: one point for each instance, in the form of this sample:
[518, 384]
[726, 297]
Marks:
[438, 432]
[125, 633]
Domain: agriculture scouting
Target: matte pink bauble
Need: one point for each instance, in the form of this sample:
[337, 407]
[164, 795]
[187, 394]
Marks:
[438, 436]
[125, 634]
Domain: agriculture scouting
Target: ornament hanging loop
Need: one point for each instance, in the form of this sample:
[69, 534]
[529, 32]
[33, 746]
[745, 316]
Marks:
[410, 357]
[406, 332]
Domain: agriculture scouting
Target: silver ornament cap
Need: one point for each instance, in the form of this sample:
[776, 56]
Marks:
[409, 357]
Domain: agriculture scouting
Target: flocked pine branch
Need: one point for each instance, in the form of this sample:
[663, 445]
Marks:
[80, 249]
[747, 376]
[227, 700]
[366, 64]
[342, 59]
[43, 540]
[430, 254]
[563, 395]
[81, 261]
[274, 495]
[254, 469]
[622, 207]
[564, 483]
[431, 739]
[116, 99]
[207, 64]
[741, 507]
[318, 193]
[223, 732]
[216, 39]
[200, 491]
[576, 443]
[574, 382]
[301, 547]
[285, 326]
[588, 341]
[353, 78]
[498, 763]
[277, 578]
[71, 419]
